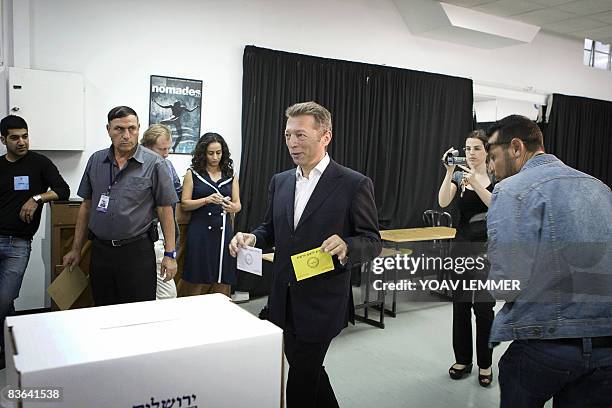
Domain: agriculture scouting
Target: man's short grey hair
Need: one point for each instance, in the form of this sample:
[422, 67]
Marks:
[321, 115]
[154, 132]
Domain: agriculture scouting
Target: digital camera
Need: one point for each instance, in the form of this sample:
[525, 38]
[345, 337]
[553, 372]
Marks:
[453, 158]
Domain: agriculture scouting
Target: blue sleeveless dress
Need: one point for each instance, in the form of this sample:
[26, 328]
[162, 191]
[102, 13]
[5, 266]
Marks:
[207, 258]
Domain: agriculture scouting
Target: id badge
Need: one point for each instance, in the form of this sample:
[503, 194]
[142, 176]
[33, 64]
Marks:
[21, 183]
[103, 203]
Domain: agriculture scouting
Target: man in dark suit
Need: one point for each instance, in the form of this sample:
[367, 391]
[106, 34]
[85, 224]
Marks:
[320, 204]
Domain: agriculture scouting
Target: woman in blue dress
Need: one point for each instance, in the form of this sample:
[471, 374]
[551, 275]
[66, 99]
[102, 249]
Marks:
[211, 193]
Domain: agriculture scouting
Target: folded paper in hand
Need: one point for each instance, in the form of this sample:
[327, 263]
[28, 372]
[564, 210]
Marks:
[249, 260]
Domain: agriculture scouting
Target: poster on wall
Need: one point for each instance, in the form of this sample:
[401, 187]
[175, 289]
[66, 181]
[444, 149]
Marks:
[177, 103]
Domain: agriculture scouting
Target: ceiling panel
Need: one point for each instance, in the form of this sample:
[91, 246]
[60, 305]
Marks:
[574, 24]
[468, 3]
[549, 3]
[603, 32]
[579, 34]
[504, 8]
[564, 17]
[605, 17]
[543, 16]
[587, 7]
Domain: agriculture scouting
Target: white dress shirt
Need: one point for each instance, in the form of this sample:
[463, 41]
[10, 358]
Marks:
[305, 186]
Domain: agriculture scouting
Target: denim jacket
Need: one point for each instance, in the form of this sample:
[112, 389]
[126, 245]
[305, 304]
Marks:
[549, 229]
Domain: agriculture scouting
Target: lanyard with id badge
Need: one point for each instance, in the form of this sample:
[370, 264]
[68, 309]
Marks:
[105, 198]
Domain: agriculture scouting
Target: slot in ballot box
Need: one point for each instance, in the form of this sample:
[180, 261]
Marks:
[203, 351]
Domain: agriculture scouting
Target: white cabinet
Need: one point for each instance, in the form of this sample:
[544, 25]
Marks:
[53, 104]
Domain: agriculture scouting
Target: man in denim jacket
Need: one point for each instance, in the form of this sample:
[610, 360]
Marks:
[549, 228]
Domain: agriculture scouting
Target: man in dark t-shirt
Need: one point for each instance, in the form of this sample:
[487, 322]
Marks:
[27, 181]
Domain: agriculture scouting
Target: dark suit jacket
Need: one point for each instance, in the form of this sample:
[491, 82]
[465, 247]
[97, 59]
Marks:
[343, 204]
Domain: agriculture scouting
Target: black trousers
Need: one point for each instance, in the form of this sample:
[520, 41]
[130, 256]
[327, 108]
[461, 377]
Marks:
[308, 385]
[464, 301]
[123, 274]
[482, 304]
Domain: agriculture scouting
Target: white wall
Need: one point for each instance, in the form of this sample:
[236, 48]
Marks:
[490, 111]
[116, 45]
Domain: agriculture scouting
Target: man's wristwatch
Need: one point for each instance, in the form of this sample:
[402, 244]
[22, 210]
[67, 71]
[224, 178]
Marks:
[37, 198]
[171, 254]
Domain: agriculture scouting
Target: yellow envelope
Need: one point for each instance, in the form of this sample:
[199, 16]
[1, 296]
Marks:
[311, 263]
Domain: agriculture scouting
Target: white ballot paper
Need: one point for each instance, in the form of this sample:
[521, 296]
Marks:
[249, 260]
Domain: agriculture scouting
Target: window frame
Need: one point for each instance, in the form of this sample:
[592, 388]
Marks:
[593, 52]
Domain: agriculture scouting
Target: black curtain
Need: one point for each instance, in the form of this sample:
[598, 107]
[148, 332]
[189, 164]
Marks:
[579, 132]
[390, 124]
[484, 125]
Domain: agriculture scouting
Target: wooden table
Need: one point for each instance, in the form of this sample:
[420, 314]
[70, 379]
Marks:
[399, 236]
[418, 234]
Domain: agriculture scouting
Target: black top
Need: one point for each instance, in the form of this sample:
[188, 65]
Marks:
[469, 205]
[31, 175]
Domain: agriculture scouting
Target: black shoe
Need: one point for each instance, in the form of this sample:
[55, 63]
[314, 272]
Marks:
[485, 380]
[2, 361]
[457, 374]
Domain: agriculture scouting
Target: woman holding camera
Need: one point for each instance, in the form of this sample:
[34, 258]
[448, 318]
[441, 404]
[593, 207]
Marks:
[473, 186]
[211, 193]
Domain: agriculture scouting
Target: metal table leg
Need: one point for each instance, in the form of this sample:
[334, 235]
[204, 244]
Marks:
[368, 303]
[393, 311]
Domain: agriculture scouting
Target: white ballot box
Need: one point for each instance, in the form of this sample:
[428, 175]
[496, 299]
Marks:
[192, 352]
